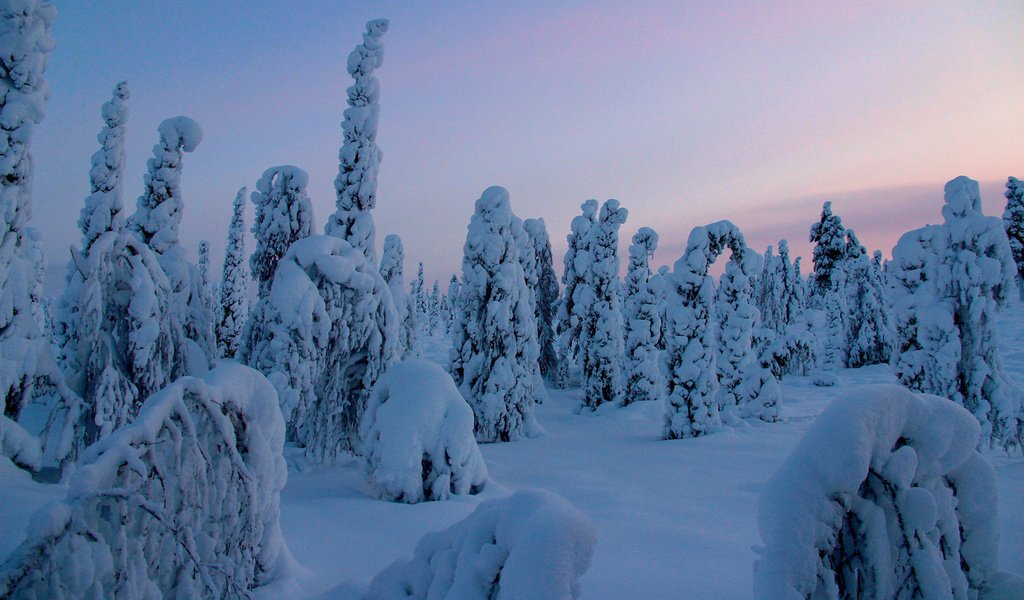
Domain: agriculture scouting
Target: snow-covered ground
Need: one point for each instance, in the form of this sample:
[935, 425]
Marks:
[673, 518]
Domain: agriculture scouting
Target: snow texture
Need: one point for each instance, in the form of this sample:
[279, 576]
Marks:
[284, 214]
[417, 436]
[234, 283]
[884, 497]
[545, 299]
[359, 157]
[184, 502]
[642, 322]
[948, 282]
[494, 341]
[532, 544]
[327, 331]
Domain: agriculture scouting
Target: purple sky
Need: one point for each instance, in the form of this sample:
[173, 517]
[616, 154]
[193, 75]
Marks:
[685, 112]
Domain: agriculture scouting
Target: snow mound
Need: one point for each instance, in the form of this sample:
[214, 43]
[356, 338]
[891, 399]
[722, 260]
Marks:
[885, 497]
[183, 502]
[417, 433]
[532, 544]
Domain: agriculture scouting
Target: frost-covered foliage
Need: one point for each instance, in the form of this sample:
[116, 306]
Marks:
[207, 291]
[234, 283]
[104, 208]
[829, 238]
[870, 332]
[601, 333]
[642, 321]
[419, 295]
[435, 324]
[785, 342]
[545, 299]
[327, 331]
[494, 340]
[284, 214]
[417, 436]
[570, 315]
[688, 363]
[359, 158]
[527, 257]
[948, 282]
[532, 544]
[884, 497]
[453, 301]
[832, 334]
[392, 267]
[1013, 222]
[182, 503]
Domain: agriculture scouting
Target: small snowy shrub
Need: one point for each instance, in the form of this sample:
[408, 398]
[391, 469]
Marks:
[417, 436]
[884, 497]
[532, 544]
[181, 503]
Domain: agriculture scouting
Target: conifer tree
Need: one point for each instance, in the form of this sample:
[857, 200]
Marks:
[545, 297]
[392, 268]
[359, 158]
[434, 320]
[829, 238]
[570, 315]
[642, 322]
[234, 283]
[284, 214]
[1013, 222]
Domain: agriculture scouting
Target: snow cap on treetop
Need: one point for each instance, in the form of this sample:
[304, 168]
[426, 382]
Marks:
[494, 203]
[961, 194]
[181, 132]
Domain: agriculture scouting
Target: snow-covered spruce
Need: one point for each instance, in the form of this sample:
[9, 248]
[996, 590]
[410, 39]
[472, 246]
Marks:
[1013, 222]
[284, 214]
[601, 334]
[528, 261]
[688, 362]
[870, 333]
[829, 238]
[206, 288]
[575, 262]
[532, 544]
[327, 331]
[392, 267]
[104, 208]
[417, 436]
[884, 497]
[359, 158]
[832, 332]
[434, 322]
[545, 299]
[234, 283]
[948, 282]
[453, 301]
[494, 341]
[642, 322]
[419, 295]
[184, 502]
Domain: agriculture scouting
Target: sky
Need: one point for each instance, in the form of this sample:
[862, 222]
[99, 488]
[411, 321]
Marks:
[686, 112]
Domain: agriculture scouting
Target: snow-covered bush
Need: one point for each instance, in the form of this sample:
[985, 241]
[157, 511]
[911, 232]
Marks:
[884, 497]
[359, 158]
[184, 502]
[688, 363]
[392, 267]
[417, 436]
[642, 321]
[532, 544]
[948, 282]
[1013, 222]
[545, 299]
[575, 262]
[284, 214]
[234, 283]
[327, 331]
[494, 341]
[601, 333]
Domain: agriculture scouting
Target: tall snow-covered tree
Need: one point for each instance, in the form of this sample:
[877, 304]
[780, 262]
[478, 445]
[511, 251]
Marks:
[359, 158]
[494, 340]
[569, 315]
[870, 331]
[419, 295]
[948, 282]
[1013, 222]
[602, 333]
[325, 333]
[642, 322]
[284, 214]
[528, 262]
[434, 318]
[453, 301]
[829, 238]
[545, 299]
[234, 283]
[104, 209]
[392, 267]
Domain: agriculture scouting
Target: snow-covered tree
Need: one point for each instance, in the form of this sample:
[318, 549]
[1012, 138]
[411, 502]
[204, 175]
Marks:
[532, 544]
[569, 315]
[284, 214]
[206, 287]
[392, 267]
[642, 322]
[870, 334]
[688, 362]
[601, 331]
[1013, 222]
[453, 301]
[326, 332]
[832, 333]
[949, 281]
[234, 283]
[419, 295]
[884, 497]
[104, 208]
[417, 436]
[494, 341]
[829, 238]
[545, 299]
[359, 158]
[182, 503]
[434, 323]
[527, 257]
